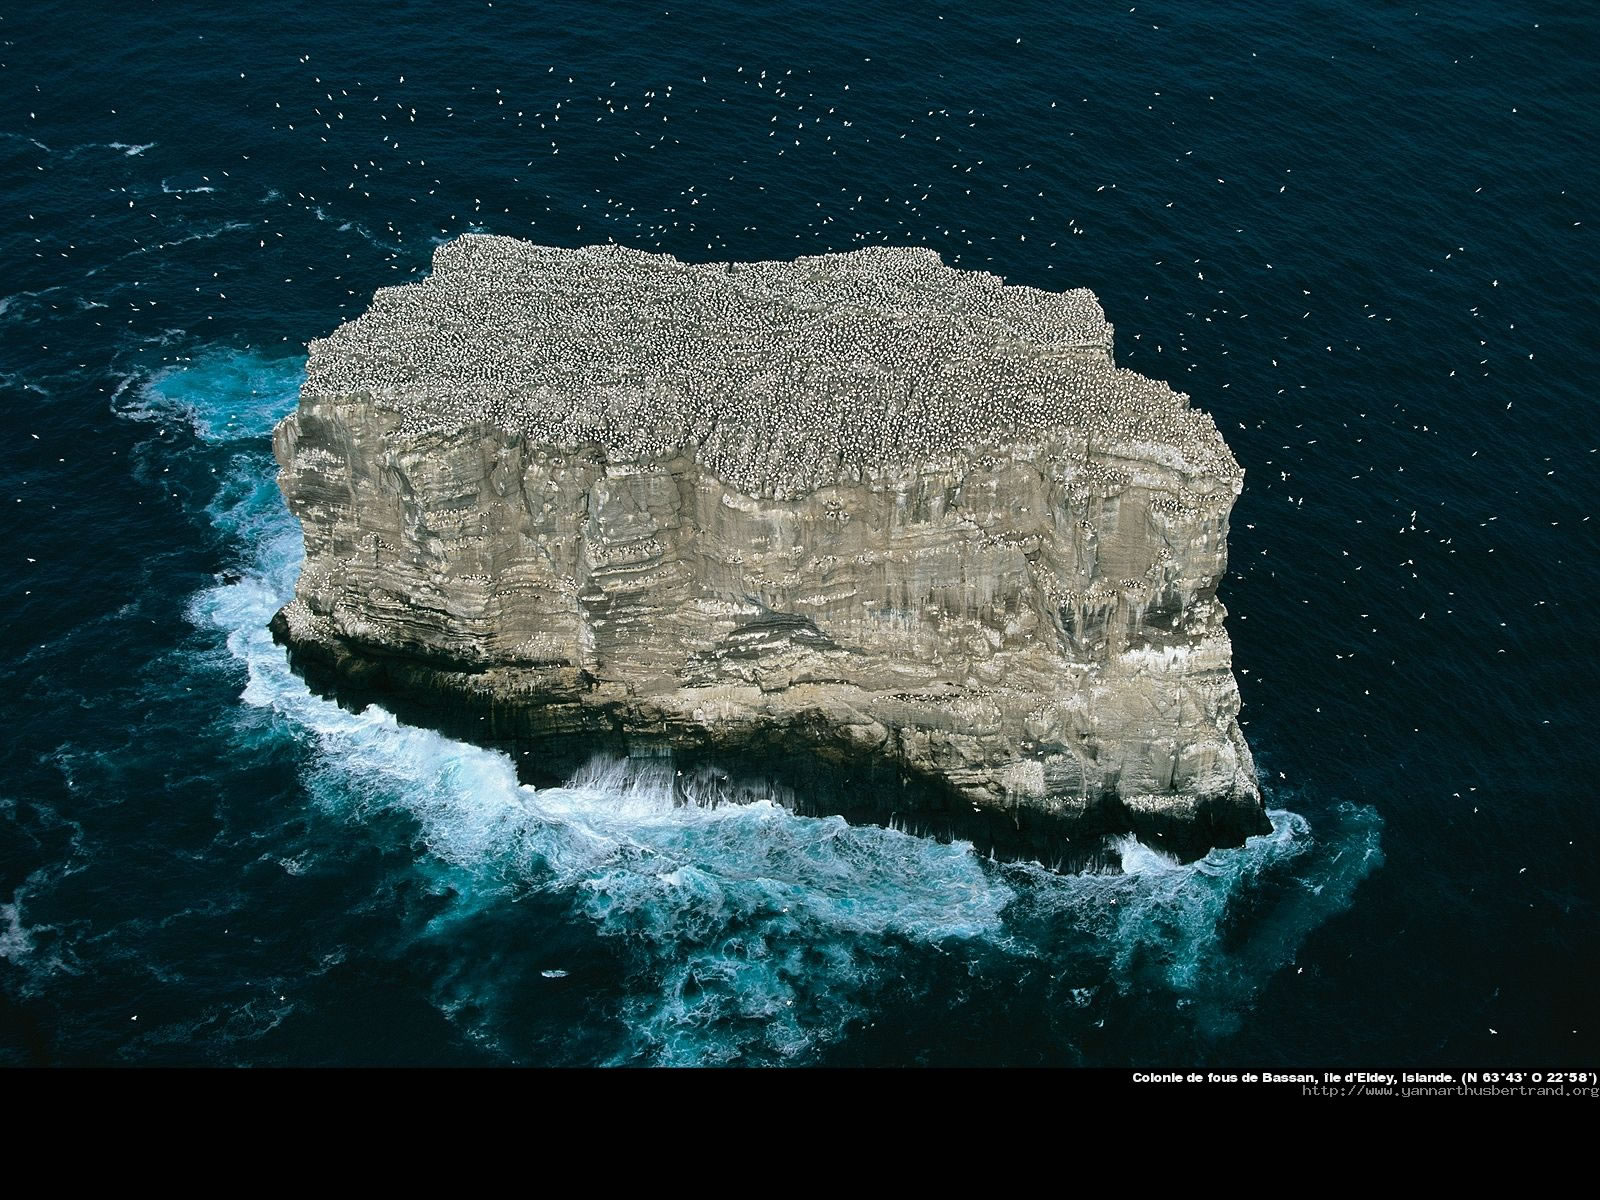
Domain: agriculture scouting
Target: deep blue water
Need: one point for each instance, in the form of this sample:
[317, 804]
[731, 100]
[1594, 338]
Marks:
[1361, 234]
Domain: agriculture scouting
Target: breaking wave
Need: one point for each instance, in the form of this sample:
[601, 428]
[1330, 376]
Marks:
[746, 933]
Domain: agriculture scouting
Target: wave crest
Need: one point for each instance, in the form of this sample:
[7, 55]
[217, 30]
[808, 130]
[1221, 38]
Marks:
[745, 933]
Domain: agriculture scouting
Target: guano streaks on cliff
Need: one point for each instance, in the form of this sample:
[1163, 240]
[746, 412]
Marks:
[859, 511]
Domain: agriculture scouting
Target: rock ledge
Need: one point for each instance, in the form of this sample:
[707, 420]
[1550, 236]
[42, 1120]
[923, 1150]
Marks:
[900, 537]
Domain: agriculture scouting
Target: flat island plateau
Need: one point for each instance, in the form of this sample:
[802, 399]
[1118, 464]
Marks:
[882, 537]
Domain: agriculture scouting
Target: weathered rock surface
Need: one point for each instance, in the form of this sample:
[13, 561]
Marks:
[860, 515]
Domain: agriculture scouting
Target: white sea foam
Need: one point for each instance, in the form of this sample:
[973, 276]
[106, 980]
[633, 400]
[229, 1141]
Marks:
[755, 934]
[37, 947]
[15, 944]
[345, 225]
[199, 235]
[224, 396]
[22, 137]
[21, 302]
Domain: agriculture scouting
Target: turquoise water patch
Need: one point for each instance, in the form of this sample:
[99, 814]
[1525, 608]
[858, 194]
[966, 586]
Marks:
[751, 934]
[224, 396]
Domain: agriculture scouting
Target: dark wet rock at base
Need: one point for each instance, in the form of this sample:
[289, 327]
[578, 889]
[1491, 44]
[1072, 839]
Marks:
[897, 538]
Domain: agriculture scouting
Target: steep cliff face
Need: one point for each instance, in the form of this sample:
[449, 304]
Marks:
[860, 511]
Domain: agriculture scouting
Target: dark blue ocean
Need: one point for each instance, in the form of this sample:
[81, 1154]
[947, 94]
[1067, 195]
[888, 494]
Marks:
[1362, 234]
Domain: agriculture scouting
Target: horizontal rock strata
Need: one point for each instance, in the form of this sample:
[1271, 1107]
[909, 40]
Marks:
[901, 536]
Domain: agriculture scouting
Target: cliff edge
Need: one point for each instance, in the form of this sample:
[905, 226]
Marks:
[899, 536]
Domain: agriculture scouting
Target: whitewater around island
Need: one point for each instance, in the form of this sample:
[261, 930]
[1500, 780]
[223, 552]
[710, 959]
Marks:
[750, 934]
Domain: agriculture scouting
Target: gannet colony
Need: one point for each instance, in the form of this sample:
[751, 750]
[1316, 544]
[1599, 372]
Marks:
[891, 539]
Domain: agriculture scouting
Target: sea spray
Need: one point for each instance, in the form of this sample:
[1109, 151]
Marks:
[750, 933]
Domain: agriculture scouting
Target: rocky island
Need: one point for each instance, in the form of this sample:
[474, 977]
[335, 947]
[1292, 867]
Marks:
[899, 539]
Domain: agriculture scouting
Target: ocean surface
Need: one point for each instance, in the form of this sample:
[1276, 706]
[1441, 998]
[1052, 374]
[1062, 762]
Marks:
[1363, 235]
